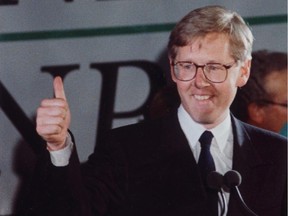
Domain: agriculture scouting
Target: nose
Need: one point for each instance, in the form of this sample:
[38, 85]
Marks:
[200, 79]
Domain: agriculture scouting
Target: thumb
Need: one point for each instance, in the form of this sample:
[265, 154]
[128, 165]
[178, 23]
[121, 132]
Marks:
[59, 88]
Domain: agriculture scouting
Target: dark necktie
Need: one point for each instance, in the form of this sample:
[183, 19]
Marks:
[206, 165]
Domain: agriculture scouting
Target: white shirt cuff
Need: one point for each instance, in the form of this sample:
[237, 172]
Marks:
[61, 157]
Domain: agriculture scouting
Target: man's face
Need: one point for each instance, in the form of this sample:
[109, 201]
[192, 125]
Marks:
[275, 116]
[208, 103]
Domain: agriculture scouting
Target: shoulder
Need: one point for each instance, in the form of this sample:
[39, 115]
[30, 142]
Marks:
[138, 142]
[265, 142]
[146, 127]
[262, 135]
[242, 128]
[145, 133]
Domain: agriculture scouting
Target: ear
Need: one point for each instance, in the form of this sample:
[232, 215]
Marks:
[256, 113]
[171, 70]
[244, 73]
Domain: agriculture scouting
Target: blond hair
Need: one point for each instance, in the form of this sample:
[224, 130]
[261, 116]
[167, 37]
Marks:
[211, 19]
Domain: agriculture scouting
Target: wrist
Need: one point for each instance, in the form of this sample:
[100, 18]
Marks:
[53, 147]
[61, 157]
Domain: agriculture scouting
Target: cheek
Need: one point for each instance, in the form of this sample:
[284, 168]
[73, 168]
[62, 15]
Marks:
[183, 87]
[282, 112]
[228, 92]
[183, 90]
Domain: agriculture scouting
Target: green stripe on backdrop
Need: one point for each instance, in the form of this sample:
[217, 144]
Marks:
[108, 31]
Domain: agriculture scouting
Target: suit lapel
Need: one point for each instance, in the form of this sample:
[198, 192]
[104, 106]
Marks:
[249, 164]
[175, 144]
[183, 163]
[245, 157]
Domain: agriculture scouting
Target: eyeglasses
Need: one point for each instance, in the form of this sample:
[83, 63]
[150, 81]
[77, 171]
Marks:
[273, 103]
[214, 72]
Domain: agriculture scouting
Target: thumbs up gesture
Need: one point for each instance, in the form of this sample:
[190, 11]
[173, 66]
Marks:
[53, 118]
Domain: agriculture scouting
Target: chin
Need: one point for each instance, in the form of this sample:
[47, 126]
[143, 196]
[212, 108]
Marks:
[203, 119]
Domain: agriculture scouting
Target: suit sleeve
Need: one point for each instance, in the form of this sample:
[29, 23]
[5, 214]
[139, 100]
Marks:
[93, 188]
[58, 190]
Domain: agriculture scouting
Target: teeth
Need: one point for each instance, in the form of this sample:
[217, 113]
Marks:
[202, 97]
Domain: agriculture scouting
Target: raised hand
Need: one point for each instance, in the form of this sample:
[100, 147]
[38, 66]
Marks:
[53, 118]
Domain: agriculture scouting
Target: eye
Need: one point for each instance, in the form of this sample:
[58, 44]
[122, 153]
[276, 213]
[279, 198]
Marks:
[186, 66]
[214, 67]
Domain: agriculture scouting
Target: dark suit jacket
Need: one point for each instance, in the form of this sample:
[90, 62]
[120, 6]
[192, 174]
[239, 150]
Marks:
[148, 169]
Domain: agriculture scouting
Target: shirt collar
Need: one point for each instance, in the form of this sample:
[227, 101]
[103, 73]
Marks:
[193, 130]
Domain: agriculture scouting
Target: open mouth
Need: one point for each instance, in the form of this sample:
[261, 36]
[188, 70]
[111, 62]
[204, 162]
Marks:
[201, 97]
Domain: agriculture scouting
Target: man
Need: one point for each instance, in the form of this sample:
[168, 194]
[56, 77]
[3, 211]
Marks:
[155, 167]
[263, 100]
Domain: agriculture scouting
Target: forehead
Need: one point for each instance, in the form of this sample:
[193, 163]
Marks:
[276, 83]
[211, 47]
